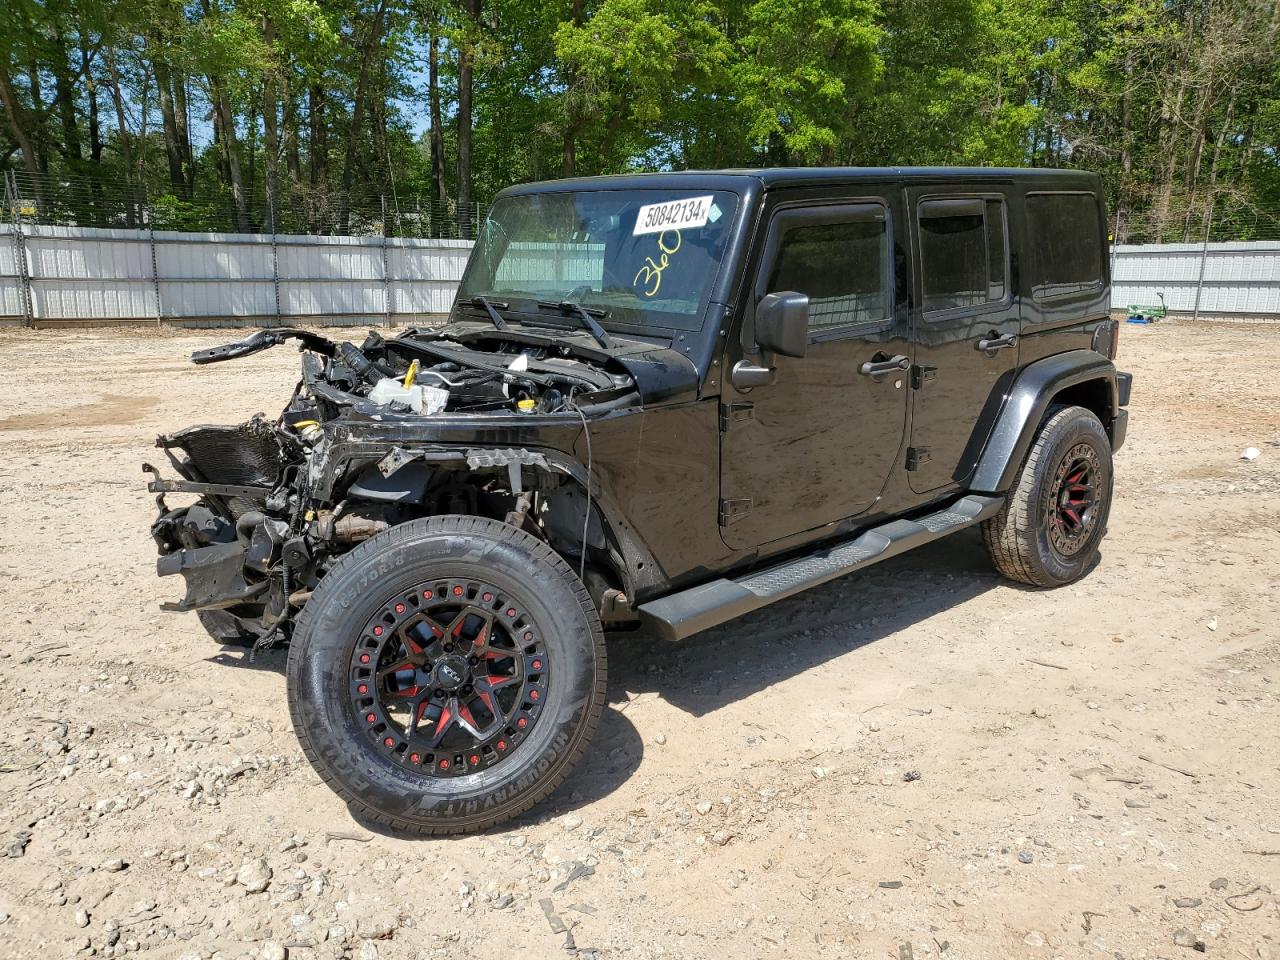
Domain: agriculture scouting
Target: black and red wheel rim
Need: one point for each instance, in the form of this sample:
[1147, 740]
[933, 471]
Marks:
[1074, 494]
[448, 678]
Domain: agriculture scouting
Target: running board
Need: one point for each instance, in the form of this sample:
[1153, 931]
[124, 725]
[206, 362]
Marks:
[680, 615]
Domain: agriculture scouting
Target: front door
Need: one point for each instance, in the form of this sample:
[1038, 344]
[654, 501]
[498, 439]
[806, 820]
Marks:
[818, 443]
[965, 326]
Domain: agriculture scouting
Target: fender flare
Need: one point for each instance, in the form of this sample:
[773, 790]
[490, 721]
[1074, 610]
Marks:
[1025, 406]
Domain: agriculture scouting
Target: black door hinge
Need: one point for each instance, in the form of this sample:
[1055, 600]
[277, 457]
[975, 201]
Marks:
[731, 511]
[921, 374]
[731, 413]
[916, 456]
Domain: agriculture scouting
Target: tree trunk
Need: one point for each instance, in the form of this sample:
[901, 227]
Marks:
[64, 100]
[292, 158]
[569, 139]
[466, 70]
[17, 126]
[122, 128]
[270, 130]
[318, 158]
[371, 43]
[169, 123]
[37, 127]
[95, 124]
[439, 190]
[184, 135]
[225, 121]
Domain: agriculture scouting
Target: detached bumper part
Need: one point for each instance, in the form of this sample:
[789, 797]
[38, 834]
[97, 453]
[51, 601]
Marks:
[214, 577]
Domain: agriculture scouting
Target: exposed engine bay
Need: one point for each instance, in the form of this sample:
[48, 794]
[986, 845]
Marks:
[374, 435]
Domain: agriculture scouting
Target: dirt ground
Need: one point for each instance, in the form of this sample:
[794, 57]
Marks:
[918, 761]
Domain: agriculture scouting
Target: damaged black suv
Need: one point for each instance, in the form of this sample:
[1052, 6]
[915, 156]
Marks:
[670, 398]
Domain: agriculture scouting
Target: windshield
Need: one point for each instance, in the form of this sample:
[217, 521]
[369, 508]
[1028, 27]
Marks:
[643, 257]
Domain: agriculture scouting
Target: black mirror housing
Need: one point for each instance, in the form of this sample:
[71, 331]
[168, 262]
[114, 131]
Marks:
[782, 323]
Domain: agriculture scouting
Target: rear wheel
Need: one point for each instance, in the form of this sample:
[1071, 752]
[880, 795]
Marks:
[1048, 531]
[447, 674]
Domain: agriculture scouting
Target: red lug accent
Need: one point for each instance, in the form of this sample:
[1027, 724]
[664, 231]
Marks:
[502, 744]
[528, 635]
[522, 722]
[364, 658]
[389, 742]
[533, 695]
[371, 717]
[475, 759]
[444, 764]
[414, 758]
[457, 591]
[399, 608]
[377, 631]
[511, 611]
[363, 688]
[486, 597]
[537, 664]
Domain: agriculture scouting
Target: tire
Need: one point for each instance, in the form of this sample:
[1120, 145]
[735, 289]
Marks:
[388, 771]
[1032, 539]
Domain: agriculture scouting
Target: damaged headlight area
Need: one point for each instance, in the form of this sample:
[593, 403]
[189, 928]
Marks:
[358, 450]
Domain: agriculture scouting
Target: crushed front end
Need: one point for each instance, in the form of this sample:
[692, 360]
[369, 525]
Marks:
[373, 436]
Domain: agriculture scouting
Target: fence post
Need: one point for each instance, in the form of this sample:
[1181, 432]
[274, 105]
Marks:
[1204, 255]
[275, 258]
[386, 275]
[20, 249]
[155, 271]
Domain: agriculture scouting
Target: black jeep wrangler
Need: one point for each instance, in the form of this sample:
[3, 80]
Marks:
[671, 399]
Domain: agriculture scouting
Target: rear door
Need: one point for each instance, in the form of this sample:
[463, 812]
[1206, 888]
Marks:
[965, 324]
[818, 443]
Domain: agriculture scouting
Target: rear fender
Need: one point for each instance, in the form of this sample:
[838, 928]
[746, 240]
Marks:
[1078, 376]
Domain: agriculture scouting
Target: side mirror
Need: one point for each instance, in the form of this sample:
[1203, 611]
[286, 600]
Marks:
[782, 323]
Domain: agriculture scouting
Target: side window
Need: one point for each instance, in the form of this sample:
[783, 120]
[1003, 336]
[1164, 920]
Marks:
[1066, 236]
[963, 253]
[840, 259]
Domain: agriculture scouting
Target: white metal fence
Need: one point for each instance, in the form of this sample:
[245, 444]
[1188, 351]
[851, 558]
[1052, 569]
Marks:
[1214, 280]
[61, 275]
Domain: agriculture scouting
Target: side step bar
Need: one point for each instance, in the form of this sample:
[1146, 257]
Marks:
[680, 615]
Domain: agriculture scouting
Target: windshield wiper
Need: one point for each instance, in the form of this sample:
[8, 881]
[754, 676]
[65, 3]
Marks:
[582, 313]
[491, 308]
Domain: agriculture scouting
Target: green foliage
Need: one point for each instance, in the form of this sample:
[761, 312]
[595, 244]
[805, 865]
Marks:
[1177, 104]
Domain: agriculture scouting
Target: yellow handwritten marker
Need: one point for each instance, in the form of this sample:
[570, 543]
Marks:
[652, 270]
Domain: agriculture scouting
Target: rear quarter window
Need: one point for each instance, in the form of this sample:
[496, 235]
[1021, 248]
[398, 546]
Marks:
[1066, 242]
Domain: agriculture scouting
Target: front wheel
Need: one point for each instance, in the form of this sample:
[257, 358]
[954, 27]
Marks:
[1048, 531]
[447, 674]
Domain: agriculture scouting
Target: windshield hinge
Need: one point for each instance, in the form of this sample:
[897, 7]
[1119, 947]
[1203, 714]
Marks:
[731, 413]
[731, 511]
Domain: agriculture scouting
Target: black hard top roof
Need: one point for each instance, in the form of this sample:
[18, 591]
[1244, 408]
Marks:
[770, 177]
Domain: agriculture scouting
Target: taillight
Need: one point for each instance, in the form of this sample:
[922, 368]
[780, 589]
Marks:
[1106, 338]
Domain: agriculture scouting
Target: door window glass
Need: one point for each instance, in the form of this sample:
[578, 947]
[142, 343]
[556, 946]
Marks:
[843, 268]
[1066, 235]
[963, 253]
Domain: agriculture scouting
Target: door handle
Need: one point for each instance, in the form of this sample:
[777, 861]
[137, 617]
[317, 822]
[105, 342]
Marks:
[997, 343]
[878, 368]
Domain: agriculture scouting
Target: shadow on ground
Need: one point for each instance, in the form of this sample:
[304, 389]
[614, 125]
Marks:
[737, 659]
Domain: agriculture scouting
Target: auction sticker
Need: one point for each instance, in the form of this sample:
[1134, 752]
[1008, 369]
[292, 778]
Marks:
[673, 215]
